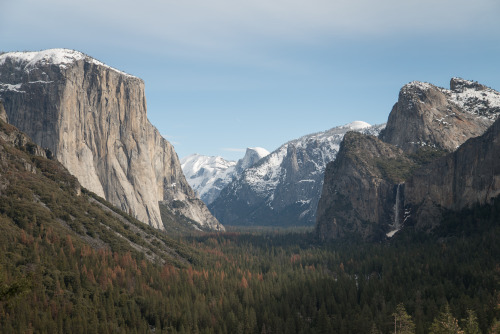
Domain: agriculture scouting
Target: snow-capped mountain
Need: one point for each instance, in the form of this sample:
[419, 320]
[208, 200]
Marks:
[252, 155]
[208, 175]
[284, 187]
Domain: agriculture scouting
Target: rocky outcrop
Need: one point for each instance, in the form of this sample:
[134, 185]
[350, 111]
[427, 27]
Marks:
[284, 187]
[429, 116]
[459, 180]
[367, 194]
[3, 113]
[93, 118]
[361, 188]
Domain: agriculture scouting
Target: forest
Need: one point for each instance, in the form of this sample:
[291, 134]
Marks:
[256, 282]
[72, 263]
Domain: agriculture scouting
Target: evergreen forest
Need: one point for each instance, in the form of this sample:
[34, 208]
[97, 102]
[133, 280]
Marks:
[72, 263]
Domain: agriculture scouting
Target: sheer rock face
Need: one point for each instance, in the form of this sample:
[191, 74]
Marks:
[93, 118]
[426, 115]
[467, 176]
[357, 194]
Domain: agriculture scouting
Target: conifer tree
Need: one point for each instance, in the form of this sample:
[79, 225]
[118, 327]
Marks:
[402, 321]
[470, 324]
[445, 323]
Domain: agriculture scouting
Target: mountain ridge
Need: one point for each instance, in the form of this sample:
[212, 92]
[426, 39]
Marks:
[283, 188]
[208, 175]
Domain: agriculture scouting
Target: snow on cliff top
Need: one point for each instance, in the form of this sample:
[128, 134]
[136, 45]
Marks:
[470, 96]
[356, 125]
[262, 152]
[61, 57]
[418, 84]
[475, 98]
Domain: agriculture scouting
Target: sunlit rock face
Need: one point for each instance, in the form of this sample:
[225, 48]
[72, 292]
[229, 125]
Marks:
[93, 118]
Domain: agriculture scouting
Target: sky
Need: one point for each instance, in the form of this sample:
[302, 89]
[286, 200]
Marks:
[223, 75]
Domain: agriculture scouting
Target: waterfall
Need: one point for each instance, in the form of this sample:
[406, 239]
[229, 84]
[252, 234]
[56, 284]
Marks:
[396, 224]
[397, 208]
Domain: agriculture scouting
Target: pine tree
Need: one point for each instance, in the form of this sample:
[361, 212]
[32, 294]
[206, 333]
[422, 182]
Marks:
[470, 324]
[445, 323]
[402, 321]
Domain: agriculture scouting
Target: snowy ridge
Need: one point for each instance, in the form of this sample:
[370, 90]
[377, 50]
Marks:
[469, 96]
[264, 177]
[474, 98]
[61, 57]
[208, 175]
[284, 187]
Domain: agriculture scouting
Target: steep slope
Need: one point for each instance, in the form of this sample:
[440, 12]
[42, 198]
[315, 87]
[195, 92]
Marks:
[93, 118]
[426, 115]
[284, 187]
[359, 189]
[209, 175]
[39, 193]
[426, 123]
[468, 176]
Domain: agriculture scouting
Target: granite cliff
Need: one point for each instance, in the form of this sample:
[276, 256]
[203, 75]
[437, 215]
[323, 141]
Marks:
[93, 119]
[427, 115]
[359, 188]
[468, 176]
[376, 186]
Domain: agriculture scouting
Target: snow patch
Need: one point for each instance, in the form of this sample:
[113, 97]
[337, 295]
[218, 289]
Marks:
[391, 233]
[60, 57]
[8, 87]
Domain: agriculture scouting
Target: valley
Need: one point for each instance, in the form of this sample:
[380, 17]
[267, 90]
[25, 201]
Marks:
[357, 229]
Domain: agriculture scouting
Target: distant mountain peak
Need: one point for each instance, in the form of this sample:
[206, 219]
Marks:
[357, 125]
[252, 155]
[208, 175]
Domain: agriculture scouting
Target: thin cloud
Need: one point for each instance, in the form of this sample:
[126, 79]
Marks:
[227, 27]
[229, 149]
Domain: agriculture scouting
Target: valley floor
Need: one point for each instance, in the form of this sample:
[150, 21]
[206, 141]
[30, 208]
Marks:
[251, 282]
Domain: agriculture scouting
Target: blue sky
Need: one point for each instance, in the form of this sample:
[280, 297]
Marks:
[223, 75]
